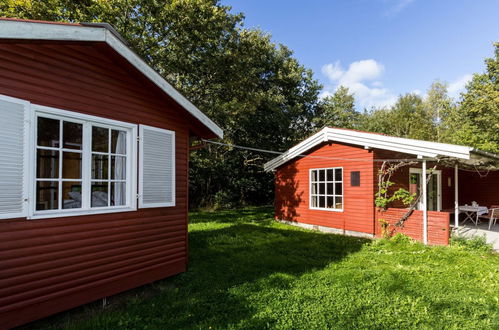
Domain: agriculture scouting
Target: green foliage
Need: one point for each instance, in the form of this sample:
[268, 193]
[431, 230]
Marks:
[384, 198]
[337, 110]
[248, 272]
[475, 244]
[406, 118]
[477, 117]
[254, 89]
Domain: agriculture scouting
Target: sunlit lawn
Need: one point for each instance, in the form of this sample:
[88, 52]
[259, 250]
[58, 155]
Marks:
[247, 271]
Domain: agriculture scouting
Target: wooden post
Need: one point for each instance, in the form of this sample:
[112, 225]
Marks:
[456, 196]
[425, 205]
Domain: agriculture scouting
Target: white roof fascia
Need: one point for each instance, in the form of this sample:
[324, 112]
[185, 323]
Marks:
[298, 149]
[45, 31]
[371, 140]
[410, 146]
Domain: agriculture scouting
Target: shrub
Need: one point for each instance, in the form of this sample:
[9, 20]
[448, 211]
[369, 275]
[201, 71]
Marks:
[475, 243]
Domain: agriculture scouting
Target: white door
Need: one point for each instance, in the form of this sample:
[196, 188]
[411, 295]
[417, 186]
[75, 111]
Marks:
[434, 196]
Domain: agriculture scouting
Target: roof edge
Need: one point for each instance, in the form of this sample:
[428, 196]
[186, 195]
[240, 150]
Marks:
[415, 147]
[11, 28]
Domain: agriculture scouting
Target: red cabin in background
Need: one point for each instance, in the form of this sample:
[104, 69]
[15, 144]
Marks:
[94, 149]
[328, 182]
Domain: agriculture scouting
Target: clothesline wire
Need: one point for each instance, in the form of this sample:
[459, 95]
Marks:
[319, 157]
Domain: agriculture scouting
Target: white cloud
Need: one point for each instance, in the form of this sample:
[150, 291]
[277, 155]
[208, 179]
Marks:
[362, 79]
[396, 6]
[458, 85]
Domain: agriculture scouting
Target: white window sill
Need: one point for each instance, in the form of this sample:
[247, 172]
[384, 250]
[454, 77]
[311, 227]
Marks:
[74, 213]
[325, 209]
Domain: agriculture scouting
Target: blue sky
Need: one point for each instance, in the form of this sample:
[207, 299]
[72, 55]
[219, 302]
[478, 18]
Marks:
[381, 48]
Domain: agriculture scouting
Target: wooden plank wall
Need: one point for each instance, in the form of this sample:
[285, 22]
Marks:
[50, 265]
[292, 189]
[438, 225]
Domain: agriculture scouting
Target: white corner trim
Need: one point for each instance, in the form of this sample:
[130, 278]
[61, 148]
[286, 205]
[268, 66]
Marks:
[10, 29]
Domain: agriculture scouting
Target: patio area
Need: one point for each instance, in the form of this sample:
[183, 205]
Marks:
[469, 230]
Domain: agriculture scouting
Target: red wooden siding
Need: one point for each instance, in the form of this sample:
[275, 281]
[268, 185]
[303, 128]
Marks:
[292, 189]
[438, 225]
[483, 190]
[50, 265]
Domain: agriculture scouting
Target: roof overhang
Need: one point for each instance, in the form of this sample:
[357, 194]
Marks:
[418, 148]
[99, 32]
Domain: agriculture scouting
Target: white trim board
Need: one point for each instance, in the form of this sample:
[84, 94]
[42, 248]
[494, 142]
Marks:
[371, 140]
[32, 30]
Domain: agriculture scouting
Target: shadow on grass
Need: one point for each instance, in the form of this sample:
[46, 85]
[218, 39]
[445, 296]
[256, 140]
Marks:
[261, 214]
[230, 265]
[228, 268]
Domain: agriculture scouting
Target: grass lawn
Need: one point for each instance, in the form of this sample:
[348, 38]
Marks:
[247, 271]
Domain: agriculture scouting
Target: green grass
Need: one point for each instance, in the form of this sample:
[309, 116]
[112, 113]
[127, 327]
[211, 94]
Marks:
[247, 271]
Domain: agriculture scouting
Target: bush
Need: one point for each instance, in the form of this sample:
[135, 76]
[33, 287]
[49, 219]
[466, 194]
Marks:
[475, 243]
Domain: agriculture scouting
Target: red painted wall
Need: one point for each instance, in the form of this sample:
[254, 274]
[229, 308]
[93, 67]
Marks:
[438, 225]
[50, 265]
[292, 189]
[483, 190]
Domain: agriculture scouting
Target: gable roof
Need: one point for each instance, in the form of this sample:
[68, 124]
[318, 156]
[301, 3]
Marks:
[419, 148]
[99, 32]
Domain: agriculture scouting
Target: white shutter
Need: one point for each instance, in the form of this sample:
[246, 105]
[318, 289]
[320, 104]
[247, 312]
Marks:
[156, 167]
[14, 154]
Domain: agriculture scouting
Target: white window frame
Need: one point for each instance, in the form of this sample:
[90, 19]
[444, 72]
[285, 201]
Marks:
[438, 176]
[325, 189]
[88, 121]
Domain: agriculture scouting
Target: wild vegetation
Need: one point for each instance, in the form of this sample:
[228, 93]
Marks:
[247, 271]
[260, 94]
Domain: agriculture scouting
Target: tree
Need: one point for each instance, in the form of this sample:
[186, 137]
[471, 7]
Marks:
[406, 118]
[440, 108]
[337, 110]
[254, 89]
[478, 116]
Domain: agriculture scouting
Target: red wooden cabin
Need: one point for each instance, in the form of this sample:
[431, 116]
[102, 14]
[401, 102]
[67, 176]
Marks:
[328, 182]
[94, 148]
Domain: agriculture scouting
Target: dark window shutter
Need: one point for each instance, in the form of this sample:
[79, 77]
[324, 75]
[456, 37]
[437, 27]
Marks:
[355, 178]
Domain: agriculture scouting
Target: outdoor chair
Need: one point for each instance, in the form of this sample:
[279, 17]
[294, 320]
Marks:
[492, 216]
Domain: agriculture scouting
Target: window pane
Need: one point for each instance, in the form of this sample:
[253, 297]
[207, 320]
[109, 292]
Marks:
[330, 202]
[322, 201]
[338, 174]
[100, 139]
[339, 202]
[118, 168]
[330, 188]
[118, 142]
[314, 175]
[71, 195]
[314, 201]
[47, 195]
[71, 165]
[322, 188]
[339, 190]
[47, 164]
[118, 193]
[330, 175]
[321, 175]
[314, 188]
[72, 135]
[48, 132]
[100, 166]
[99, 194]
